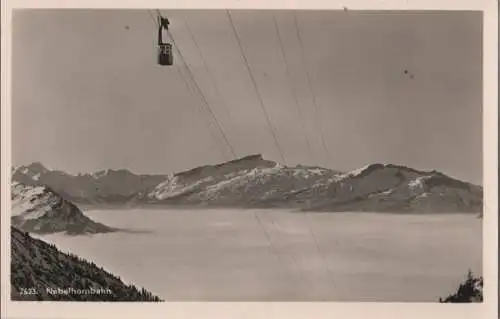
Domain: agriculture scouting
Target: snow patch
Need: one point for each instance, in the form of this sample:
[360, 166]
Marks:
[418, 182]
[172, 187]
[353, 173]
[100, 174]
[358, 171]
[30, 202]
[387, 192]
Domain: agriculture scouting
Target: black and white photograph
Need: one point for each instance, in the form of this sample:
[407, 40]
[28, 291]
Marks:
[238, 155]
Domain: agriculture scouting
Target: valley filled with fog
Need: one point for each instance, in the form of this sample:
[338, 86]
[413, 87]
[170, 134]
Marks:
[282, 255]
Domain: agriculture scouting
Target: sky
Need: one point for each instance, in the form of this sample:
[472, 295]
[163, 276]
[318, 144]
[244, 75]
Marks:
[331, 87]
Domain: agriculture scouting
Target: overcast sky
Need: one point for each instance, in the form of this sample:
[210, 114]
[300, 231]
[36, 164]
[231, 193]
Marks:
[88, 94]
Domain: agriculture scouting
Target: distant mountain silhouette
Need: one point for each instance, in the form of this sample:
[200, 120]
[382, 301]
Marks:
[376, 188]
[252, 181]
[106, 186]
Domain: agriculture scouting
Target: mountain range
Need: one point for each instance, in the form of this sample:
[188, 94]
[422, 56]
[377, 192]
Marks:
[253, 182]
[107, 186]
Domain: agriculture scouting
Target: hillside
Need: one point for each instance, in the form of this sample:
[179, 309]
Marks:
[258, 183]
[39, 271]
[39, 209]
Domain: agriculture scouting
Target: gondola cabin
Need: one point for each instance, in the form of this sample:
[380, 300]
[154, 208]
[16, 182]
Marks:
[165, 56]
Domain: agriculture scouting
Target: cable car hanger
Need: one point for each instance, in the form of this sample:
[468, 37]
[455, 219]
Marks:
[165, 55]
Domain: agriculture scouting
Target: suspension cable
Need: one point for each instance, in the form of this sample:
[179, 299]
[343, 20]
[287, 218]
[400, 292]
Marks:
[299, 113]
[247, 64]
[268, 237]
[214, 84]
[311, 88]
[189, 86]
[306, 216]
[275, 250]
[320, 251]
[202, 96]
[206, 104]
[153, 18]
[200, 110]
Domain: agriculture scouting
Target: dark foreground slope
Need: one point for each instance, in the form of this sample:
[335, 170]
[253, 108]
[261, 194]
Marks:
[39, 271]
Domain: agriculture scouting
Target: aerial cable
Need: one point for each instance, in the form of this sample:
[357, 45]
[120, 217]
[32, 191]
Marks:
[273, 133]
[214, 84]
[202, 96]
[283, 55]
[268, 237]
[308, 224]
[274, 248]
[311, 88]
[199, 91]
[321, 254]
[153, 18]
[186, 82]
[200, 110]
[259, 221]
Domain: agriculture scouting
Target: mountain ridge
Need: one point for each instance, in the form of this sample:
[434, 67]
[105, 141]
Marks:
[40, 209]
[254, 182]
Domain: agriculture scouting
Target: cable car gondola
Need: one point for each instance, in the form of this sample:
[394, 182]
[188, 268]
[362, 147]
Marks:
[165, 55]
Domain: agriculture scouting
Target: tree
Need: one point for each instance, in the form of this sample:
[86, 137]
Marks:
[469, 291]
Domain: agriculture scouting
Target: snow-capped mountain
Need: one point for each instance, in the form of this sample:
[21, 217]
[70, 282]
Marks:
[377, 188]
[39, 271]
[39, 209]
[395, 188]
[255, 182]
[107, 186]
